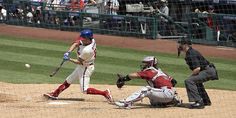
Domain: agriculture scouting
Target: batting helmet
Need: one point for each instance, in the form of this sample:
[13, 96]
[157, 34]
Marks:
[87, 33]
[149, 61]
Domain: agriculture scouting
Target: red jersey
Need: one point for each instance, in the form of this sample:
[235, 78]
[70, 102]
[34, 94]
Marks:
[81, 4]
[156, 78]
[74, 5]
[210, 23]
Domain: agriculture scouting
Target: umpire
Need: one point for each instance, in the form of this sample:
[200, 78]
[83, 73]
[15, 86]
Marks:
[202, 71]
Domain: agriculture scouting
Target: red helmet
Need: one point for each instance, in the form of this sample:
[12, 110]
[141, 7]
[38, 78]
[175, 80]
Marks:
[149, 61]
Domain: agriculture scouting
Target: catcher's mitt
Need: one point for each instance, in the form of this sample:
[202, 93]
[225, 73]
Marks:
[120, 81]
[173, 82]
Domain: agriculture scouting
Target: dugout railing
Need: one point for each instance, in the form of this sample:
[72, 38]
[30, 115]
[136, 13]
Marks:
[201, 32]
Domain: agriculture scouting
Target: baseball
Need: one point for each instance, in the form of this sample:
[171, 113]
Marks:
[27, 65]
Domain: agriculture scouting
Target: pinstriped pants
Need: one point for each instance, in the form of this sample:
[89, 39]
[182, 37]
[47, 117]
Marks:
[81, 73]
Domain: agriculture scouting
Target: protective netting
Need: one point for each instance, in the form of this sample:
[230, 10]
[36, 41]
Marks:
[134, 18]
[211, 22]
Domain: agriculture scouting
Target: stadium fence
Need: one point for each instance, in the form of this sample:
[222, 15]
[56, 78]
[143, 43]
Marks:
[136, 18]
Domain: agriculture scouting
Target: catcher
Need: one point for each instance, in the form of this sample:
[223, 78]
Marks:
[160, 89]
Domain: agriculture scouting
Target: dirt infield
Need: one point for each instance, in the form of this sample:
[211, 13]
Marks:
[26, 101]
[20, 103]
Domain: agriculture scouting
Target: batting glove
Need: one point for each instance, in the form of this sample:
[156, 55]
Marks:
[66, 56]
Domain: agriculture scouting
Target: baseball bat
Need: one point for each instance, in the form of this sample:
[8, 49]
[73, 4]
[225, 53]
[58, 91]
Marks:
[57, 69]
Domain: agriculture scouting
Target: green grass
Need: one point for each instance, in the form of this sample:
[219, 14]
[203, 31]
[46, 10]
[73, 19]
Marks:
[44, 56]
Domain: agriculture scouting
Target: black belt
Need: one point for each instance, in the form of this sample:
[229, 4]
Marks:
[211, 65]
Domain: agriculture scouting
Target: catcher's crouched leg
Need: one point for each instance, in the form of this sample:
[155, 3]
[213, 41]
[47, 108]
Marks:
[138, 95]
[134, 97]
[175, 102]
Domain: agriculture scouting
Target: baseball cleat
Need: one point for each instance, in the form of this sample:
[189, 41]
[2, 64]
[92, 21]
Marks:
[123, 105]
[50, 96]
[197, 105]
[177, 101]
[122, 101]
[108, 96]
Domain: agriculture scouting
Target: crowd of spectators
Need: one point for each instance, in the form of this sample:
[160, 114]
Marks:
[46, 11]
[3, 12]
[42, 10]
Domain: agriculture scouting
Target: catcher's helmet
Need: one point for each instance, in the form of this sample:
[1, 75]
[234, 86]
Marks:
[149, 61]
[87, 33]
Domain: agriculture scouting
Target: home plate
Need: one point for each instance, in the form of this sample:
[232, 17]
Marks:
[58, 103]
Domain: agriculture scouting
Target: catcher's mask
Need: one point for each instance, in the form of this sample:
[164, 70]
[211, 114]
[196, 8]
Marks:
[181, 42]
[149, 61]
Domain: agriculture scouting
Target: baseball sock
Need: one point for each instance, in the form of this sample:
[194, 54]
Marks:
[61, 88]
[95, 91]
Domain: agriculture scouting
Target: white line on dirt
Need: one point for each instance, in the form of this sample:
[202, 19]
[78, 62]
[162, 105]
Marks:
[224, 48]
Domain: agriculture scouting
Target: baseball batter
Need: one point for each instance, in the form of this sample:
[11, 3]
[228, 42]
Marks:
[160, 89]
[86, 55]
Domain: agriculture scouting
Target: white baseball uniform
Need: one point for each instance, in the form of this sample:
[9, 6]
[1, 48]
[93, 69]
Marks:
[83, 72]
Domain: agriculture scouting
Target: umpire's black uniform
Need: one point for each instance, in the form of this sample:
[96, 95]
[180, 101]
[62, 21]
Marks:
[194, 84]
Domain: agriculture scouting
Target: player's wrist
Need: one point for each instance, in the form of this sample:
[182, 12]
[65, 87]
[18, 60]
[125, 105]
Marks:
[67, 53]
[127, 78]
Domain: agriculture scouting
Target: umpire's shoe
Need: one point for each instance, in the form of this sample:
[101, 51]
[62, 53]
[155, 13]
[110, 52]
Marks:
[197, 105]
[207, 102]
